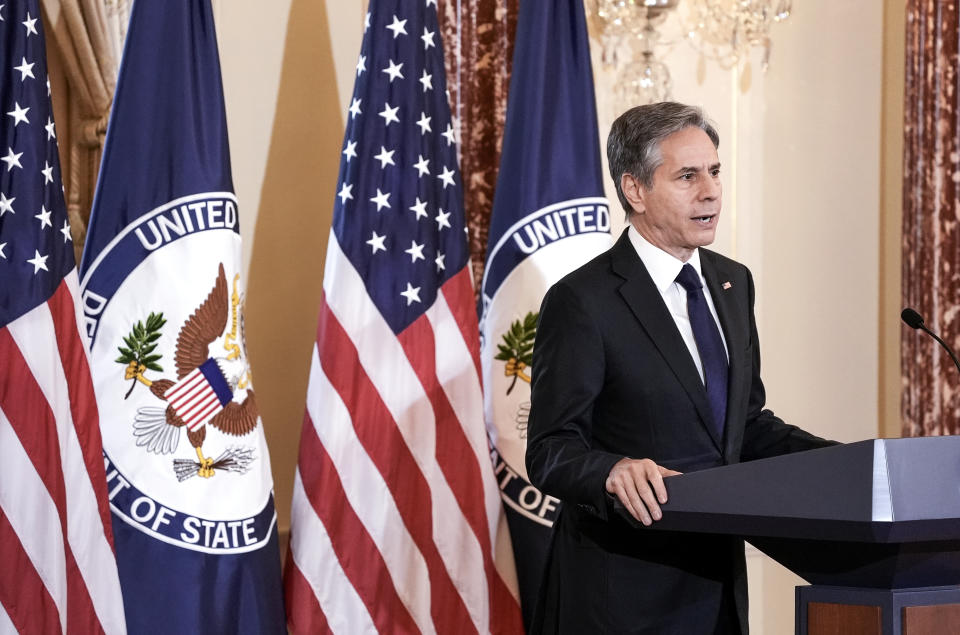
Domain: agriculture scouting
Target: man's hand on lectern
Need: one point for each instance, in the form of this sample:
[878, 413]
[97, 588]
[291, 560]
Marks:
[638, 483]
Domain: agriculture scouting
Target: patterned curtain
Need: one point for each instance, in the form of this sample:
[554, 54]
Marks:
[931, 218]
[89, 37]
[478, 41]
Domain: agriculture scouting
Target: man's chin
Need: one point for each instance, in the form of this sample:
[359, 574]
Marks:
[705, 236]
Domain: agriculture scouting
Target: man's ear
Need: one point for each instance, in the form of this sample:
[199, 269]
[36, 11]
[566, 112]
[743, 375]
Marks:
[633, 191]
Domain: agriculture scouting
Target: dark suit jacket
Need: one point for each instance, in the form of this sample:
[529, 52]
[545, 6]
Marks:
[612, 378]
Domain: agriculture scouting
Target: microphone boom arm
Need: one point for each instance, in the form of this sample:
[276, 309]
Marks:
[942, 343]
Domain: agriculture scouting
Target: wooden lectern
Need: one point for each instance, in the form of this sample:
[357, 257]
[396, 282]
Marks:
[874, 526]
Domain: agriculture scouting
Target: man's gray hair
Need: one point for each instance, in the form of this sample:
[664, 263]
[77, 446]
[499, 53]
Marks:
[633, 146]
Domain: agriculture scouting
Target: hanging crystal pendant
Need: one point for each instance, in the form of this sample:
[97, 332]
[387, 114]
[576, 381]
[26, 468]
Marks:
[644, 81]
[642, 78]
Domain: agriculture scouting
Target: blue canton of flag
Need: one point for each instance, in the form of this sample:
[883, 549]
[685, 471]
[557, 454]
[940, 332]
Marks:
[398, 214]
[35, 240]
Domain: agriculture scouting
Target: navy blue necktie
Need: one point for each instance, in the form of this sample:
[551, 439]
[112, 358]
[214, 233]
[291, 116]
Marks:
[713, 357]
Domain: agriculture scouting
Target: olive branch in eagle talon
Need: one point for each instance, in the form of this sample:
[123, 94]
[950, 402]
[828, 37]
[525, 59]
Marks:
[138, 353]
[517, 348]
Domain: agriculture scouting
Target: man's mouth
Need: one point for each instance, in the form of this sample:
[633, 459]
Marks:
[706, 219]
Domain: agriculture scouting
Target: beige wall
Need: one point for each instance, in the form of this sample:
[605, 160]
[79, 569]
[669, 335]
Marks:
[810, 153]
[287, 74]
[891, 214]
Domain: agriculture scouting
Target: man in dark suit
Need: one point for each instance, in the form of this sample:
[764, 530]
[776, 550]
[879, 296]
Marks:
[646, 364]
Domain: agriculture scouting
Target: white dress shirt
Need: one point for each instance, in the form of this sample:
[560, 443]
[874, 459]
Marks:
[664, 269]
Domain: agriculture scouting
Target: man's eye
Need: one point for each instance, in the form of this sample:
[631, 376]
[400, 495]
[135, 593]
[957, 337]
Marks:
[687, 176]
[715, 173]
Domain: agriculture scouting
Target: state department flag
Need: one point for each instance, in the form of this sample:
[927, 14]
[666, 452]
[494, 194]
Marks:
[397, 524]
[549, 216]
[58, 573]
[189, 483]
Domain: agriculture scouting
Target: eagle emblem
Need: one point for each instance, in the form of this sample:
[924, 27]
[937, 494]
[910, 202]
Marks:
[207, 390]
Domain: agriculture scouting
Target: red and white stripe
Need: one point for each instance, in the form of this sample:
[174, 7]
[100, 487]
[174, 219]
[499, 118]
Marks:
[59, 570]
[397, 523]
[193, 399]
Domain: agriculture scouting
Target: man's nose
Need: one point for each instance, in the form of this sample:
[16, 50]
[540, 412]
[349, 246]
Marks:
[710, 189]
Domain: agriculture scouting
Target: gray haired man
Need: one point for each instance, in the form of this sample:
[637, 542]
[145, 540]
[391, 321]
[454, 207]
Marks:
[646, 364]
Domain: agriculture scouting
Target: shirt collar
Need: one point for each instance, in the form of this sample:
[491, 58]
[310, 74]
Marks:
[662, 267]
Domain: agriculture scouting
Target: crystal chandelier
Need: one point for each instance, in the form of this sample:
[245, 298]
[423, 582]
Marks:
[635, 23]
[724, 30]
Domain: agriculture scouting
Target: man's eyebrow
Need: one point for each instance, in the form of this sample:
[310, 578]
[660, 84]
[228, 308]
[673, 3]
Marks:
[685, 169]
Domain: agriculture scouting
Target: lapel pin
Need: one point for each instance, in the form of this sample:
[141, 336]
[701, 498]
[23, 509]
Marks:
[726, 285]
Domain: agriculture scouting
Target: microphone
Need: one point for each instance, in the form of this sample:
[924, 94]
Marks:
[915, 321]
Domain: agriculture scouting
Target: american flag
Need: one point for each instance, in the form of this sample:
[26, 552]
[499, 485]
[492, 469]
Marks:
[58, 569]
[397, 524]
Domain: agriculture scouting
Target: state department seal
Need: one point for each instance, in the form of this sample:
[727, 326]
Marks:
[185, 452]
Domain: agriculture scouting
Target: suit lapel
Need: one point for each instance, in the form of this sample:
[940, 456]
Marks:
[733, 321]
[646, 304]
